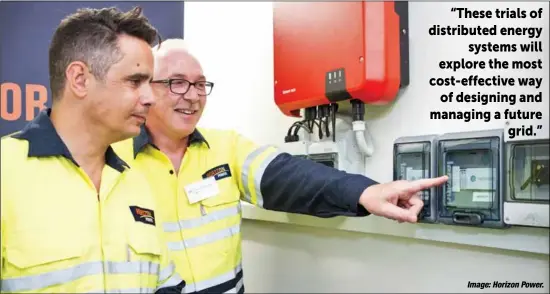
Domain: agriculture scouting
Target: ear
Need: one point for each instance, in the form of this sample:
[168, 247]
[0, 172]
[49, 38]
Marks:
[78, 78]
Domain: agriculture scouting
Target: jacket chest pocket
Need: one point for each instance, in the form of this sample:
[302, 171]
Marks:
[143, 247]
[143, 257]
[222, 216]
[228, 196]
[222, 176]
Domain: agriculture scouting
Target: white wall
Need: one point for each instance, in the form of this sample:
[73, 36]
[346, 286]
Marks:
[234, 43]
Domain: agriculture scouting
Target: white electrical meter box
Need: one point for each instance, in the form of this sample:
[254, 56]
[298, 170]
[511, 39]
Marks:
[528, 178]
[474, 163]
[297, 149]
[325, 153]
[342, 153]
[415, 158]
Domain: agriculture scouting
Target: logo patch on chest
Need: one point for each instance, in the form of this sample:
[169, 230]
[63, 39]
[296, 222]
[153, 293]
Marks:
[219, 172]
[144, 215]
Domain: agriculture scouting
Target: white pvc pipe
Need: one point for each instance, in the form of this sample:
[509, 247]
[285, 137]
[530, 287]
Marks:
[365, 145]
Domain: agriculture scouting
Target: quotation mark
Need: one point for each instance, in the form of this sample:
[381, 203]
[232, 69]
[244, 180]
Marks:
[539, 127]
[453, 9]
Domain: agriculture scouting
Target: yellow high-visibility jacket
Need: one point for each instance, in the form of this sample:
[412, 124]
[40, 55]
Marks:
[204, 235]
[61, 235]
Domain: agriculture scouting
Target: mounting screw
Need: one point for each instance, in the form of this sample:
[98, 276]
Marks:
[404, 31]
[507, 123]
[275, 82]
[361, 59]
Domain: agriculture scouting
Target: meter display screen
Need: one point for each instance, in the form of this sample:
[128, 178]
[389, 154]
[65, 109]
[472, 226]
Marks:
[472, 178]
[530, 177]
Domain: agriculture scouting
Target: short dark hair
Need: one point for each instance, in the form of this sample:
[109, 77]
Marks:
[91, 36]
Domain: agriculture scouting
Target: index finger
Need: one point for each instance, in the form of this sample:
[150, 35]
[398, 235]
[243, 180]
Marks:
[423, 184]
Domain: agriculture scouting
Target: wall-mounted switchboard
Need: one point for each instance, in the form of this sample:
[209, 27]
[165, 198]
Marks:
[415, 158]
[474, 163]
[528, 179]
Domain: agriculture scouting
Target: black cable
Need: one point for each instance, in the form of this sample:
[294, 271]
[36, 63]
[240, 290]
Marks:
[320, 120]
[357, 109]
[310, 114]
[323, 114]
[313, 123]
[333, 113]
[297, 125]
[320, 126]
[294, 138]
[308, 124]
[327, 129]
[290, 129]
[302, 125]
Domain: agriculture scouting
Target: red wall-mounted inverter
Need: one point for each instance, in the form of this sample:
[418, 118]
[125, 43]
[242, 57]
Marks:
[327, 52]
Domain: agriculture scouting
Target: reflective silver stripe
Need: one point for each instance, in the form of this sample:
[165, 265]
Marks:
[173, 281]
[228, 276]
[62, 276]
[169, 276]
[200, 221]
[124, 291]
[166, 272]
[132, 267]
[134, 290]
[205, 239]
[237, 287]
[245, 170]
[258, 177]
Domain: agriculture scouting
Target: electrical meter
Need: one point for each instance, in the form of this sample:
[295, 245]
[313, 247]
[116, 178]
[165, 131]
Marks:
[473, 161]
[528, 177]
[415, 158]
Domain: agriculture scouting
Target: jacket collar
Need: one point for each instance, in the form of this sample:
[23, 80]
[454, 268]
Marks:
[44, 141]
[143, 139]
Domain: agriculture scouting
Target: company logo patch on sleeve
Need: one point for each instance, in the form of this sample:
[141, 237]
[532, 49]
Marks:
[219, 172]
[144, 215]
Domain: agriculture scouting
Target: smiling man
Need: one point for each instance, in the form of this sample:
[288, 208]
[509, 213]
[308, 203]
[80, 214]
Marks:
[200, 175]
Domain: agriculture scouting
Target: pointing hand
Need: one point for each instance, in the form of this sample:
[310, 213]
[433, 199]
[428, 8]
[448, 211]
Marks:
[398, 200]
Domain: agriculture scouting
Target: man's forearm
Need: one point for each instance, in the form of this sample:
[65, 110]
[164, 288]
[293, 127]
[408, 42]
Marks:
[303, 186]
